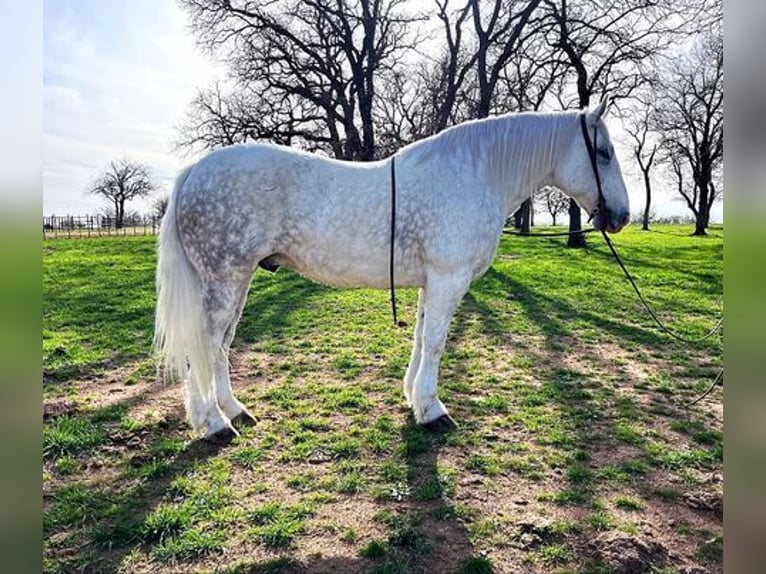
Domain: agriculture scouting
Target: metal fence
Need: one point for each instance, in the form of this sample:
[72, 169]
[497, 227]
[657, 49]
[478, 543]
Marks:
[68, 226]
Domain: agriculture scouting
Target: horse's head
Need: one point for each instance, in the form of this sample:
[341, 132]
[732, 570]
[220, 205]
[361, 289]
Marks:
[575, 174]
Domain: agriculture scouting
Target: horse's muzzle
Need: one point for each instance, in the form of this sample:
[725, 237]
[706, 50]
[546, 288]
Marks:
[611, 221]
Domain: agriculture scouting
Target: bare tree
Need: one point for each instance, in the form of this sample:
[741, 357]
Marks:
[608, 47]
[121, 182]
[554, 201]
[304, 71]
[463, 80]
[639, 128]
[160, 206]
[690, 116]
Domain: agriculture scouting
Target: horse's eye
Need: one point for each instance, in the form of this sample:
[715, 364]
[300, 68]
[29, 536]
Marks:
[604, 153]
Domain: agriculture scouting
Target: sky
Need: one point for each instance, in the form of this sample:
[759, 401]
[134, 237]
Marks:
[118, 78]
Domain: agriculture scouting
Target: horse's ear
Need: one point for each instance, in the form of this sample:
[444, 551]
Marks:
[602, 107]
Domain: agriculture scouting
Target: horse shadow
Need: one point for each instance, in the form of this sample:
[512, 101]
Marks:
[423, 534]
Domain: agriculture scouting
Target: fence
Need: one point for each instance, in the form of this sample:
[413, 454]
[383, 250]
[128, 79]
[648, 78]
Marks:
[68, 226]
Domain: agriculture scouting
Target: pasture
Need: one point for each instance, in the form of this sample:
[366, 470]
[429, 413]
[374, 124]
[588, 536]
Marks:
[575, 453]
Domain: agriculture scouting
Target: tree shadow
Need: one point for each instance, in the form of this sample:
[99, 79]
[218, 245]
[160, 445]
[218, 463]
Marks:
[273, 303]
[553, 316]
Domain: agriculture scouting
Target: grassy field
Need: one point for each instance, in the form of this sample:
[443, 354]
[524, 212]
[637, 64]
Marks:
[576, 452]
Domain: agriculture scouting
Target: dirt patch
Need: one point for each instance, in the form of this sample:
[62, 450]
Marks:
[630, 554]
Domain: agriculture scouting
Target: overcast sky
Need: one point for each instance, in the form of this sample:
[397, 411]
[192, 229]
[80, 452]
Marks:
[117, 79]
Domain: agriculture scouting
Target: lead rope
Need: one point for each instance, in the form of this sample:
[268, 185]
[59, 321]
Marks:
[601, 211]
[391, 242]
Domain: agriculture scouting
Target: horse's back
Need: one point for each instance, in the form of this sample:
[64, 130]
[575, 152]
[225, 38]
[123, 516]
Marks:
[243, 203]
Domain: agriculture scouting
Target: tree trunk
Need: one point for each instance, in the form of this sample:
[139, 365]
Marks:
[517, 219]
[702, 219]
[576, 241]
[525, 210]
[648, 186]
[703, 210]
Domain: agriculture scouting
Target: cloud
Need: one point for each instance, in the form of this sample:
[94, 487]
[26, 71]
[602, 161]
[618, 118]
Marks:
[117, 80]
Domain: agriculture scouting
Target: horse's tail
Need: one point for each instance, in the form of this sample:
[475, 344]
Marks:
[180, 330]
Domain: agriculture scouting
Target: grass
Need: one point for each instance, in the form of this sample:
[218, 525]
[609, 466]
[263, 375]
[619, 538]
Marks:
[568, 402]
[67, 435]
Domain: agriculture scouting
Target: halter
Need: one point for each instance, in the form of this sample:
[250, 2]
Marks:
[591, 147]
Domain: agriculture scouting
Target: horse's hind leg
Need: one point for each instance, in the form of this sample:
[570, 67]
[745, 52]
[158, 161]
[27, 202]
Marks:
[441, 296]
[231, 407]
[221, 300]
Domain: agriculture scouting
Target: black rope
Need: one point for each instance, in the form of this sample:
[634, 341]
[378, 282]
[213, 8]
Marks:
[719, 377]
[391, 242]
[393, 234]
[662, 326]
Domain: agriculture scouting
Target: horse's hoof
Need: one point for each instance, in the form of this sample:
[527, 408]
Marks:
[244, 419]
[221, 437]
[443, 424]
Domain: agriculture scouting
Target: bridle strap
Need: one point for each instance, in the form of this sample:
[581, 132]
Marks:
[591, 147]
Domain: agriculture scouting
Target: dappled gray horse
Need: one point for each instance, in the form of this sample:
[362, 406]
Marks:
[249, 205]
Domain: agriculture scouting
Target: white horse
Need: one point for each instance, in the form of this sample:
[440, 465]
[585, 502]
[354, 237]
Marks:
[249, 205]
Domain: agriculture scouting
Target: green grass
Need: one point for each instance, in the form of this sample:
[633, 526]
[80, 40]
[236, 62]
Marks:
[67, 435]
[98, 303]
[567, 399]
[374, 549]
[475, 565]
[276, 525]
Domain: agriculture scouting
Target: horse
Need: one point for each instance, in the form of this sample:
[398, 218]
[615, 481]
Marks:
[261, 205]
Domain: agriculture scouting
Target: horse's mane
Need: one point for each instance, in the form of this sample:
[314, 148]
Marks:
[518, 130]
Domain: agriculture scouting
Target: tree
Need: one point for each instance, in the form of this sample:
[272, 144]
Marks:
[645, 148]
[554, 201]
[608, 47]
[160, 206]
[121, 182]
[303, 71]
[464, 80]
[690, 116]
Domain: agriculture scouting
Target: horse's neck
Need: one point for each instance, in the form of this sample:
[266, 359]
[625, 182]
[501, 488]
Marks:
[519, 153]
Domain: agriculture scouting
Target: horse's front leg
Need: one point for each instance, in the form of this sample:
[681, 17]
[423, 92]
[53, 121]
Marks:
[440, 297]
[417, 349]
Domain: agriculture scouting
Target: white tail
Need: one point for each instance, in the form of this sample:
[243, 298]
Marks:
[180, 333]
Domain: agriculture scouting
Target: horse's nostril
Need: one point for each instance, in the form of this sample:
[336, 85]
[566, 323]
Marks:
[625, 218]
